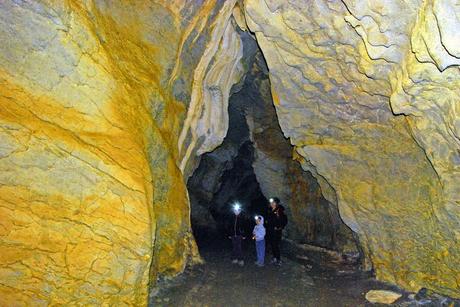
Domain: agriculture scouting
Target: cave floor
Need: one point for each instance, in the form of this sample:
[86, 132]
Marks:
[220, 283]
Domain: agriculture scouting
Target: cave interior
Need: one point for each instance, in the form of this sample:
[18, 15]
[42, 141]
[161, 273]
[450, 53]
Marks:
[255, 151]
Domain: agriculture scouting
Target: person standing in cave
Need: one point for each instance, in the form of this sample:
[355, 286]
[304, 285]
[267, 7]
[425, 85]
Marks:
[280, 224]
[258, 234]
[237, 237]
[276, 222]
[269, 224]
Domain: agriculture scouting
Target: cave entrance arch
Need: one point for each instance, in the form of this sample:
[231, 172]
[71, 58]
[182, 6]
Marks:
[255, 162]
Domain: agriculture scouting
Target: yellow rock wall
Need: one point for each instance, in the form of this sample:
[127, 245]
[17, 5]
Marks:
[341, 73]
[93, 97]
[105, 105]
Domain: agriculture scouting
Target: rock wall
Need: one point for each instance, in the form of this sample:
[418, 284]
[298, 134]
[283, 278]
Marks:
[222, 176]
[206, 171]
[341, 72]
[105, 107]
[312, 219]
[93, 99]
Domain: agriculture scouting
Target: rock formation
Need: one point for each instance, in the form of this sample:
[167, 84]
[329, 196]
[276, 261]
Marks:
[106, 107]
[94, 99]
[312, 218]
[341, 73]
[256, 158]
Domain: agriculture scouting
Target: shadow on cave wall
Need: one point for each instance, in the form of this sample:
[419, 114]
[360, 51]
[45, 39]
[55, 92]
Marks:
[256, 159]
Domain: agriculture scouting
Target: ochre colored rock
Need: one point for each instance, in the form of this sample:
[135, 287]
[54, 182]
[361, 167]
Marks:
[105, 107]
[382, 296]
[93, 97]
[206, 123]
[341, 73]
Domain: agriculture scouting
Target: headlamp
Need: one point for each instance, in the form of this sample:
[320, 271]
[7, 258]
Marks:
[271, 200]
[237, 208]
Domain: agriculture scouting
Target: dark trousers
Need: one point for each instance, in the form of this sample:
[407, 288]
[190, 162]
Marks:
[237, 252]
[275, 240]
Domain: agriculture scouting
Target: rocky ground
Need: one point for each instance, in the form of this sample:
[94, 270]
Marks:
[296, 283]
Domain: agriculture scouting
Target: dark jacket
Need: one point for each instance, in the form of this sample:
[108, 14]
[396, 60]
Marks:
[270, 221]
[276, 219]
[237, 226]
[280, 220]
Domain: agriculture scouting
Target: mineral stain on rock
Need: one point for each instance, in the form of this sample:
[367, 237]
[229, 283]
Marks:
[109, 109]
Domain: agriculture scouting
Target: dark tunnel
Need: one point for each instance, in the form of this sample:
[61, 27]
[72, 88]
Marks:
[255, 163]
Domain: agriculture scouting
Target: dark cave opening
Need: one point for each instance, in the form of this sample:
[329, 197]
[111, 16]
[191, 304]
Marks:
[225, 177]
[255, 162]
[240, 186]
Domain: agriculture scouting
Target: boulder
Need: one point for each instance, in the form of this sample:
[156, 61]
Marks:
[382, 296]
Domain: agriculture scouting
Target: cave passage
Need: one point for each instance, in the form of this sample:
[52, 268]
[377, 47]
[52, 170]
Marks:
[238, 186]
[129, 129]
[226, 177]
[322, 260]
[319, 252]
[254, 163]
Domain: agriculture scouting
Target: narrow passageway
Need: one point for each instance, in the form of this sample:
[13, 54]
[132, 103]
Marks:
[295, 283]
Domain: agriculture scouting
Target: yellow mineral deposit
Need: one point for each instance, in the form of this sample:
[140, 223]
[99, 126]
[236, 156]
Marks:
[91, 196]
[105, 107]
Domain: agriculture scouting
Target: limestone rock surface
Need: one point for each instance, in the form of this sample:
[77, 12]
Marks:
[106, 106]
[368, 93]
[93, 99]
[312, 219]
[382, 296]
[255, 162]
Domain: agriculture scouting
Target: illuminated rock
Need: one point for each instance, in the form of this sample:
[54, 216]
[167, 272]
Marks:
[93, 97]
[382, 296]
[105, 108]
[338, 72]
[312, 219]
